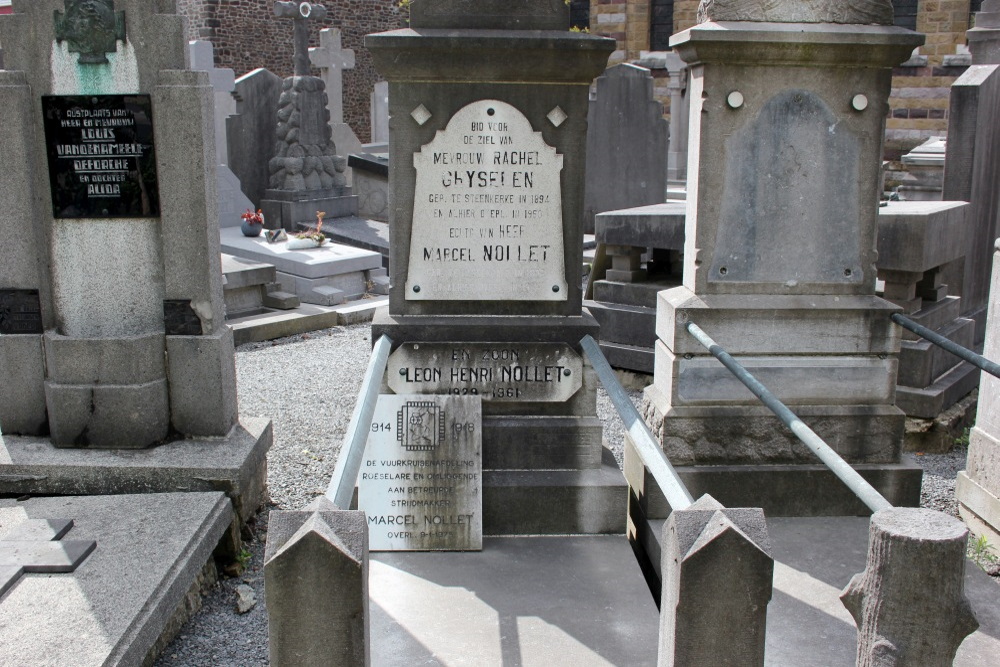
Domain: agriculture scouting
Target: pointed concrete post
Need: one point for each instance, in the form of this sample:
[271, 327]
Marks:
[316, 587]
[717, 577]
[910, 603]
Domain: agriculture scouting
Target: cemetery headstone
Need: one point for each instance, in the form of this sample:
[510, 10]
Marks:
[486, 238]
[984, 38]
[780, 252]
[972, 172]
[978, 486]
[421, 480]
[332, 59]
[924, 165]
[626, 144]
[253, 131]
[232, 201]
[306, 173]
[380, 113]
[116, 331]
[679, 105]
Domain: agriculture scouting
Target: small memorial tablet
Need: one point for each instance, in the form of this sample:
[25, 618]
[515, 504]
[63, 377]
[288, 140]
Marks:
[421, 480]
[101, 158]
[487, 216]
[544, 372]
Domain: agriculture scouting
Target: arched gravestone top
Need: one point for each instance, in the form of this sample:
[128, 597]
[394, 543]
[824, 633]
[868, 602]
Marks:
[490, 14]
[798, 11]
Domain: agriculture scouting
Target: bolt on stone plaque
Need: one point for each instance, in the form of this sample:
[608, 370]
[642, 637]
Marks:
[420, 484]
[487, 217]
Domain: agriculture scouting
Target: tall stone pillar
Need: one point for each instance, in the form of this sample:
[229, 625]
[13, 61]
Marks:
[488, 120]
[788, 107]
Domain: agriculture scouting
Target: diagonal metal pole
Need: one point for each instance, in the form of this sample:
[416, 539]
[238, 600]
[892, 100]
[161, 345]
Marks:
[848, 475]
[645, 442]
[961, 352]
[352, 451]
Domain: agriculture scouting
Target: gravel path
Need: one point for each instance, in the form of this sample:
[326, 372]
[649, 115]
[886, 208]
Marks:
[307, 385]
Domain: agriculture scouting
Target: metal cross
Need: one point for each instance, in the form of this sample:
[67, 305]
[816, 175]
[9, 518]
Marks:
[35, 546]
[301, 12]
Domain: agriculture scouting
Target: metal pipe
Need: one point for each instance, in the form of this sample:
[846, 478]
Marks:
[645, 442]
[848, 475]
[962, 352]
[352, 451]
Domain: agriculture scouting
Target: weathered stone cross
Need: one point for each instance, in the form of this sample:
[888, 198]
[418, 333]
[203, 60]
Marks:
[34, 546]
[332, 60]
[301, 12]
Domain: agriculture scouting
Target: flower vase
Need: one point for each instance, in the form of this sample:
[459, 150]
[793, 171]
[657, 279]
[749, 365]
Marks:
[251, 229]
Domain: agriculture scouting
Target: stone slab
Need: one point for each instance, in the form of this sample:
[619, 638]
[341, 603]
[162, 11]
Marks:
[638, 359]
[22, 403]
[555, 502]
[918, 236]
[235, 464]
[327, 260]
[625, 324]
[243, 272]
[654, 226]
[921, 362]
[520, 601]
[633, 294]
[807, 489]
[116, 604]
[541, 443]
[307, 317]
[361, 233]
[928, 402]
[768, 324]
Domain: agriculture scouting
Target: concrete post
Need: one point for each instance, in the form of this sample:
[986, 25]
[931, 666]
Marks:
[717, 575]
[909, 603]
[316, 587]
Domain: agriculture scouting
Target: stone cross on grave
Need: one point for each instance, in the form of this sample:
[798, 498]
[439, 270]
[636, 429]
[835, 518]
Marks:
[35, 546]
[301, 12]
[332, 60]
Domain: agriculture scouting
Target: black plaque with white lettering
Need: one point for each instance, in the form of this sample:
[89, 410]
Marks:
[101, 158]
[20, 311]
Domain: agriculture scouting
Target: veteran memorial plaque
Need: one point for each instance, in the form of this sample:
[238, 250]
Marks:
[487, 214]
[101, 158]
[543, 372]
[420, 484]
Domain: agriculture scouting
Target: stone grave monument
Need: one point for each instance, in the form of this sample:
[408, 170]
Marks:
[111, 313]
[626, 144]
[789, 101]
[972, 174]
[232, 201]
[252, 132]
[332, 59]
[380, 113]
[488, 114]
[118, 396]
[978, 486]
[306, 173]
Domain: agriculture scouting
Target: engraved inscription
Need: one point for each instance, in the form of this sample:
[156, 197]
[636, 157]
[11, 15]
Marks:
[505, 372]
[487, 216]
[420, 484]
[20, 312]
[101, 156]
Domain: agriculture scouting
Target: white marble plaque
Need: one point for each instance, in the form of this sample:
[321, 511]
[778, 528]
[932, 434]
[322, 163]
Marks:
[421, 480]
[503, 372]
[487, 214]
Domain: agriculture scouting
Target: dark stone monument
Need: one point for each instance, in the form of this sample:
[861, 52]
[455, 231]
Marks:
[306, 174]
[488, 115]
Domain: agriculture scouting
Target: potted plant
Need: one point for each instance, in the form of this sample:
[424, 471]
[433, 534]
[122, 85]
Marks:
[310, 238]
[253, 223]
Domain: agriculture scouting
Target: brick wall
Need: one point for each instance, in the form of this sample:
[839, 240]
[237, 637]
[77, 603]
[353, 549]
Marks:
[246, 35]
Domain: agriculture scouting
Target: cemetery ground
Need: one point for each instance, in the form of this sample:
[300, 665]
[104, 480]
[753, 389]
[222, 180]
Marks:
[308, 385]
